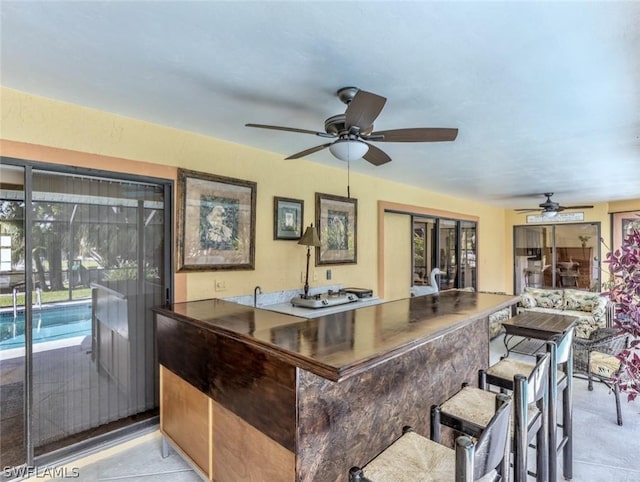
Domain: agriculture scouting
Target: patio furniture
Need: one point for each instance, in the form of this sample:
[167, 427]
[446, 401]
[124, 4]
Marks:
[414, 457]
[592, 309]
[560, 381]
[596, 359]
[469, 410]
[535, 328]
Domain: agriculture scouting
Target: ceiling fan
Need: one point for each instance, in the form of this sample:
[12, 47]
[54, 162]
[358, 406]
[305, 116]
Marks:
[352, 131]
[550, 208]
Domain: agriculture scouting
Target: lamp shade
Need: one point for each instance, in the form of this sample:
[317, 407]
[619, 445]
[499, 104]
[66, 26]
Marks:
[310, 237]
[348, 149]
[549, 214]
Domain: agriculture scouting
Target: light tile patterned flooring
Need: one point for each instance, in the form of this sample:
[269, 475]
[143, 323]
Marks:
[603, 451]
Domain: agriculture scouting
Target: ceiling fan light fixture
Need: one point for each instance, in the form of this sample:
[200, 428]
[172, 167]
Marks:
[549, 214]
[348, 150]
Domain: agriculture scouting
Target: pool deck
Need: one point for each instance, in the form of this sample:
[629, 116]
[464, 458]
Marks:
[43, 346]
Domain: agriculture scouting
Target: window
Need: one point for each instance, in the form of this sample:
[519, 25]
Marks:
[446, 244]
[557, 256]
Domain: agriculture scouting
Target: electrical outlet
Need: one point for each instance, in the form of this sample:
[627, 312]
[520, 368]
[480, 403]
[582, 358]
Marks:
[328, 274]
[221, 285]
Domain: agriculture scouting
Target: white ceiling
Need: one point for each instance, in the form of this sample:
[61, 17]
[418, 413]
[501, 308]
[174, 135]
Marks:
[546, 95]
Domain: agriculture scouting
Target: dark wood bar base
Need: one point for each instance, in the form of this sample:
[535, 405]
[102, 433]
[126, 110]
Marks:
[245, 410]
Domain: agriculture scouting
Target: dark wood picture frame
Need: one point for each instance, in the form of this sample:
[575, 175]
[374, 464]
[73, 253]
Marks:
[288, 218]
[216, 222]
[337, 224]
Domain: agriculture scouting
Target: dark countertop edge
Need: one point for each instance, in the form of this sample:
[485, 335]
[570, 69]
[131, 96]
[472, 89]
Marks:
[330, 372]
[321, 369]
[374, 360]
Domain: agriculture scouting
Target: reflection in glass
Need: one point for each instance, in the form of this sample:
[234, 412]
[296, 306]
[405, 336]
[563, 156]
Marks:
[448, 255]
[557, 256]
[12, 325]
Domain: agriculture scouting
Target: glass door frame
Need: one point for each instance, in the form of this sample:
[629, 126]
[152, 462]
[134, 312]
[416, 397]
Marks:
[167, 279]
[597, 257]
[436, 245]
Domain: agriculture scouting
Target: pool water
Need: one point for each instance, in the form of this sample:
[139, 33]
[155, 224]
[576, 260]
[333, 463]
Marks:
[49, 323]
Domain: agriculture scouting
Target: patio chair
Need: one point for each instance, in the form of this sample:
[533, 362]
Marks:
[595, 359]
[414, 457]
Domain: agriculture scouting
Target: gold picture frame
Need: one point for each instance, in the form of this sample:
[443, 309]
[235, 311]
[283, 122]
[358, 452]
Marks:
[216, 222]
[337, 223]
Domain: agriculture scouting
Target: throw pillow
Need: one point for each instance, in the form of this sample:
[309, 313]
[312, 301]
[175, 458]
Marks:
[577, 300]
[600, 308]
[527, 301]
[547, 298]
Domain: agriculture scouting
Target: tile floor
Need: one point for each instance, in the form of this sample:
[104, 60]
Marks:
[603, 451]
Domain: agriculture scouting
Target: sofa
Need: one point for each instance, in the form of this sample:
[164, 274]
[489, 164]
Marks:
[592, 309]
[495, 321]
[496, 318]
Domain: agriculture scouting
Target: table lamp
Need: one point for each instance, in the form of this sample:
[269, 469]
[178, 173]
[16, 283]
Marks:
[309, 238]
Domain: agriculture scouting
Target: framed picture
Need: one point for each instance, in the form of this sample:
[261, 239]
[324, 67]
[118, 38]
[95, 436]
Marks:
[216, 222]
[629, 225]
[287, 218]
[336, 220]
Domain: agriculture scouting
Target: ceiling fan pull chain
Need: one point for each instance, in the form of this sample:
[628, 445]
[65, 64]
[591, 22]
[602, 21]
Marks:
[348, 179]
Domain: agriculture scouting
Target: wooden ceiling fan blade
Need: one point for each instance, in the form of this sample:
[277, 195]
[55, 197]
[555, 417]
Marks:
[417, 134]
[289, 129]
[526, 210]
[578, 207]
[376, 156]
[306, 152]
[363, 109]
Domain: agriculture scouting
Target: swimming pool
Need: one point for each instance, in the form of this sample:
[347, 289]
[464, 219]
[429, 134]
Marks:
[49, 323]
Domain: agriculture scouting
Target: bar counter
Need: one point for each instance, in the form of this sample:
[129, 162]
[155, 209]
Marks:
[250, 394]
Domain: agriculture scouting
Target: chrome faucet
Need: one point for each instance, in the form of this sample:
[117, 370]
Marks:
[256, 291]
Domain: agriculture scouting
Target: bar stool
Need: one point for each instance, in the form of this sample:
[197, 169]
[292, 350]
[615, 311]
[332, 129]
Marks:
[413, 457]
[469, 410]
[560, 376]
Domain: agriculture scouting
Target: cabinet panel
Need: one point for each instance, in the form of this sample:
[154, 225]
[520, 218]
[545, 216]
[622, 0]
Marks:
[184, 417]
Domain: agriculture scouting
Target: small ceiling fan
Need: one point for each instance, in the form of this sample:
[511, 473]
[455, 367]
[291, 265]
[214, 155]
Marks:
[550, 208]
[353, 130]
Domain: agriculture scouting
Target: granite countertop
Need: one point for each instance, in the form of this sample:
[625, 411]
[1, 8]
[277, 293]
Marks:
[337, 344]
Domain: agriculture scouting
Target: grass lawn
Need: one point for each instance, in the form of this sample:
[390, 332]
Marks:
[6, 300]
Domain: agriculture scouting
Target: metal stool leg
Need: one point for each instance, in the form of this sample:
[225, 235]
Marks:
[435, 434]
[616, 392]
[165, 447]
[567, 422]
[520, 433]
[542, 440]
[553, 414]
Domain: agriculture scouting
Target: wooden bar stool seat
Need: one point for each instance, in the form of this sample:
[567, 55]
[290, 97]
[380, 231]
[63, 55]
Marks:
[413, 458]
[469, 409]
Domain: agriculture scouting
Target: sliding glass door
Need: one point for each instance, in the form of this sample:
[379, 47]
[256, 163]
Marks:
[84, 341]
[557, 256]
[13, 362]
[446, 244]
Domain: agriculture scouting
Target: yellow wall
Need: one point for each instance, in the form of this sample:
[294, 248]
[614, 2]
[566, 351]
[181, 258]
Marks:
[623, 206]
[600, 213]
[106, 141]
[397, 262]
